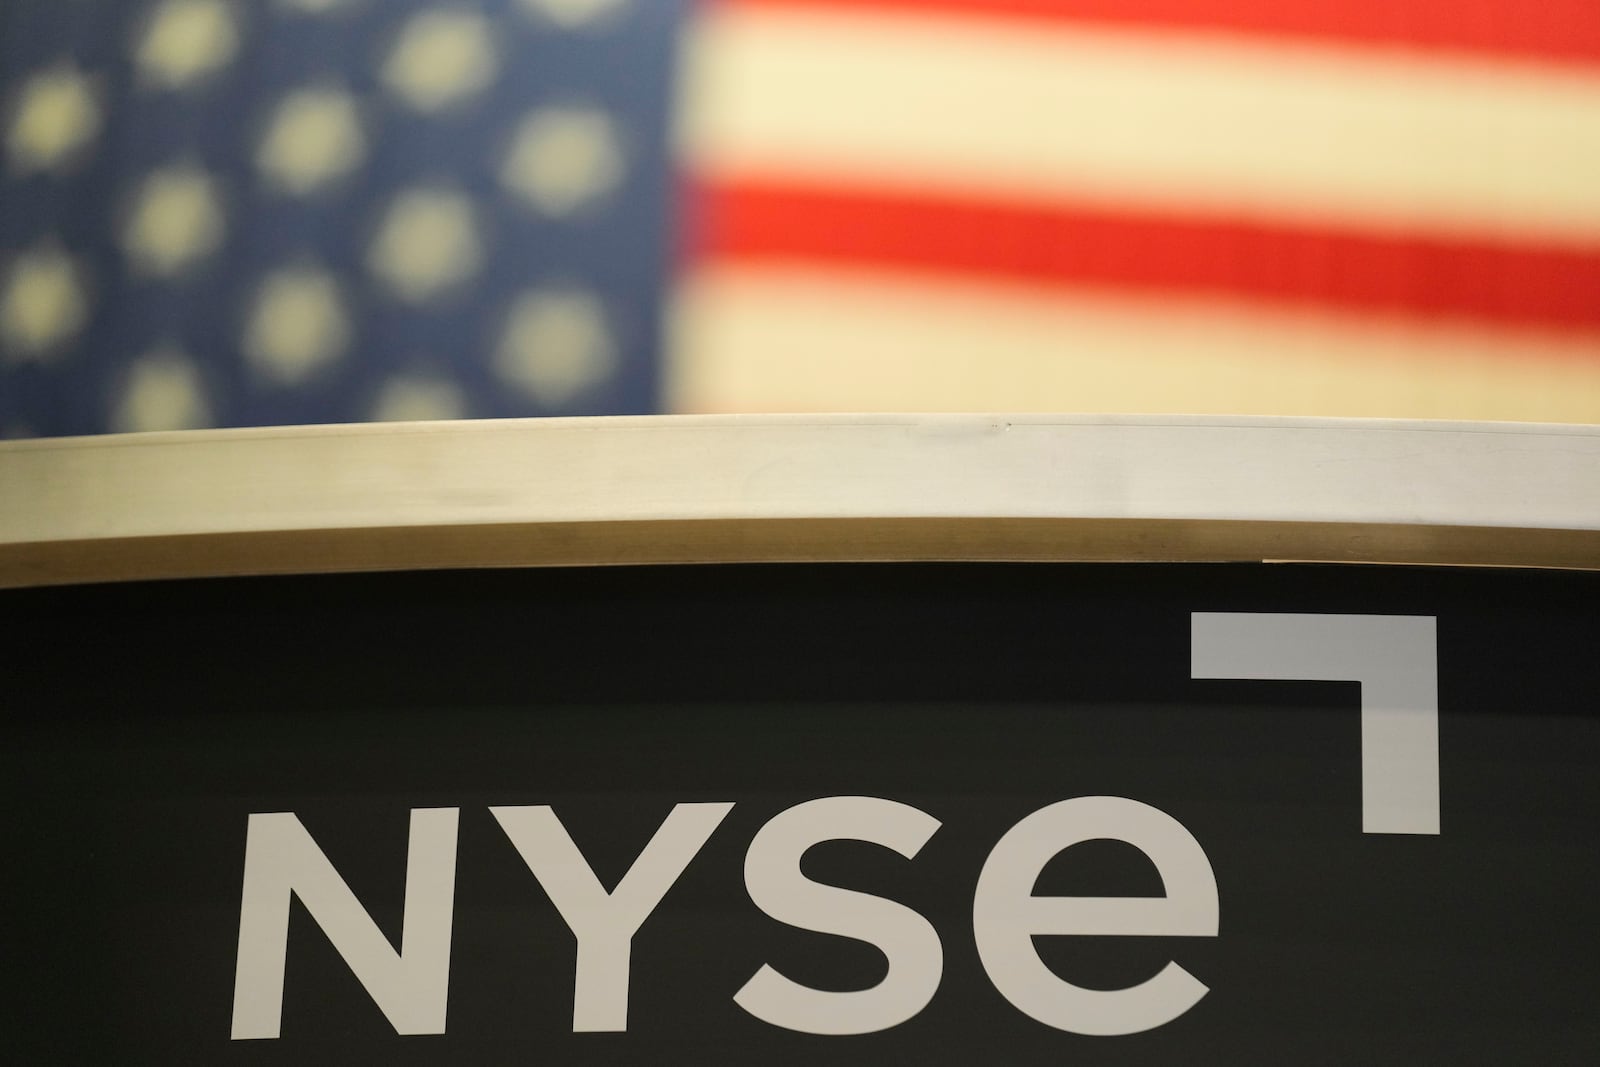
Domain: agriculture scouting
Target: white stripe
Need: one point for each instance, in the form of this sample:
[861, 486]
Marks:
[1271, 129]
[776, 339]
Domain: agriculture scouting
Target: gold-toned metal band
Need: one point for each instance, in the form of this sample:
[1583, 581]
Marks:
[784, 541]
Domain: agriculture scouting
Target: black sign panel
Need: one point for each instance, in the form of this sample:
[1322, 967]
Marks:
[598, 816]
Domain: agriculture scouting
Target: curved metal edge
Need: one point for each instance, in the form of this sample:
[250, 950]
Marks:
[787, 541]
[763, 488]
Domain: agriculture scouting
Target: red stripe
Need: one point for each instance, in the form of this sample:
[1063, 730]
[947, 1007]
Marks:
[1566, 30]
[1551, 288]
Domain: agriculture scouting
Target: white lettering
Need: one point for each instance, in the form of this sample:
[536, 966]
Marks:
[410, 987]
[604, 923]
[777, 886]
[1006, 916]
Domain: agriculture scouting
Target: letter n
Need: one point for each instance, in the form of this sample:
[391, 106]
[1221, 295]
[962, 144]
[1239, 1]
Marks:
[410, 987]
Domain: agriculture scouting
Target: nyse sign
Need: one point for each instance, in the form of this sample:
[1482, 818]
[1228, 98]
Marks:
[857, 814]
[1393, 657]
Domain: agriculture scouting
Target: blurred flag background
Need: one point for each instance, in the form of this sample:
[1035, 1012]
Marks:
[248, 212]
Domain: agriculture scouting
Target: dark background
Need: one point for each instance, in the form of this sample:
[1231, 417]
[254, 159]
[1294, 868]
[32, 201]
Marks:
[145, 721]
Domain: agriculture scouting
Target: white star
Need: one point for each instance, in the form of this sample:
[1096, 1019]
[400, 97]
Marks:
[442, 58]
[574, 14]
[315, 136]
[176, 220]
[314, 7]
[427, 244]
[298, 325]
[163, 392]
[556, 345]
[42, 303]
[418, 398]
[56, 115]
[563, 158]
[185, 40]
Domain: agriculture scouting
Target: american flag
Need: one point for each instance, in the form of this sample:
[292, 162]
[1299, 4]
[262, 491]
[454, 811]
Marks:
[224, 213]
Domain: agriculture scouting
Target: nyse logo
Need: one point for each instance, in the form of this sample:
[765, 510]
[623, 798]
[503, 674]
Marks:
[1393, 657]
